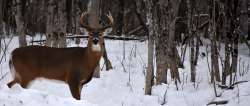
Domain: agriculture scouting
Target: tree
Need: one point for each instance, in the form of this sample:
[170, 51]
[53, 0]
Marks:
[244, 16]
[161, 42]
[190, 6]
[172, 53]
[215, 73]
[150, 72]
[1, 18]
[20, 6]
[56, 23]
[106, 59]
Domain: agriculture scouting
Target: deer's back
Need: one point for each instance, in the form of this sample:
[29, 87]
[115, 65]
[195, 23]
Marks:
[46, 62]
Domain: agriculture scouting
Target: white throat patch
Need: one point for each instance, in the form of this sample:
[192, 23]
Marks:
[96, 48]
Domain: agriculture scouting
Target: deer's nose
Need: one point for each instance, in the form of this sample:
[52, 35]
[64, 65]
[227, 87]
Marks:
[95, 40]
[95, 37]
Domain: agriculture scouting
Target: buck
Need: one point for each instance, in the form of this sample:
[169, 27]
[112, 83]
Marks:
[74, 65]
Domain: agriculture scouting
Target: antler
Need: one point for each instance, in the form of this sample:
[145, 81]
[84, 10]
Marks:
[83, 21]
[111, 21]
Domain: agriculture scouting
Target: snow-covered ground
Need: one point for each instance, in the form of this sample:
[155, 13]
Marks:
[124, 84]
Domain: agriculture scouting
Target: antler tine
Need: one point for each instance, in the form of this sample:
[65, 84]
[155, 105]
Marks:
[110, 18]
[82, 19]
[111, 21]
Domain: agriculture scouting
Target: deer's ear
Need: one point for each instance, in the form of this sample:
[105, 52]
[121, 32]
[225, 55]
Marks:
[107, 31]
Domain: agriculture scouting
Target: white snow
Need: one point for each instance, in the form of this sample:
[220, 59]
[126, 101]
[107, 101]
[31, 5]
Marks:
[124, 84]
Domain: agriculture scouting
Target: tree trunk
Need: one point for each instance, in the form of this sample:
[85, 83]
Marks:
[171, 40]
[214, 61]
[161, 60]
[1, 19]
[234, 58]
[226, 69]
[226, 35]
[56, 25]
[192, 61]
[62, 40]
[106, 59]
[20, 23]
[150, 72]
[161, 42]
[50, 37]
[97, 71]
[215, 72]
[119, 25]
[1, 37]
[191, 35]
[197, 49]
[62, 24]
[244, 17]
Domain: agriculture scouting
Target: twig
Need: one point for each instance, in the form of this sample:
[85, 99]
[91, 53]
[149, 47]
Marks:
[207, 60]
[5, 49]
[164, 97]
[2, 77]
[124, 69]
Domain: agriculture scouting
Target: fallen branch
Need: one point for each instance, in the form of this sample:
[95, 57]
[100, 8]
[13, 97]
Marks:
[230, 86]
[218, 102]
[105, 37]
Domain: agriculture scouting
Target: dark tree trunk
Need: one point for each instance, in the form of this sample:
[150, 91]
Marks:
[149, 81]
[20, 22]
[192, 61]
[1, 19]
[161, 59]
[215, 72]
[244, 17]
[161, 43]
[234, 58]
[106, 59]
[190, 7]
[197, 49]
[56, 23]
[172, 54]
[226, 69]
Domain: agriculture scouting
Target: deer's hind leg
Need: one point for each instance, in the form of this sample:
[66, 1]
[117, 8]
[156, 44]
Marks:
[10, 84]
[17, 79]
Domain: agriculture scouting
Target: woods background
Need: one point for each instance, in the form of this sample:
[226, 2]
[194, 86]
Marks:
[166, 24]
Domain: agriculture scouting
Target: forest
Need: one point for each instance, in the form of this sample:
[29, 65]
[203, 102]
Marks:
[151, 52]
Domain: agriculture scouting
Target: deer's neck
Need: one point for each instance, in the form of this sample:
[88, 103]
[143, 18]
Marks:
[94, 51]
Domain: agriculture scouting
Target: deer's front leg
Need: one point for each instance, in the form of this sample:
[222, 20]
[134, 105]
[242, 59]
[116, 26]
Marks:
[74, 85]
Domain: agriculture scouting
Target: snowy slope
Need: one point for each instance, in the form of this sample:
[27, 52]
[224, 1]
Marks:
[124, 84]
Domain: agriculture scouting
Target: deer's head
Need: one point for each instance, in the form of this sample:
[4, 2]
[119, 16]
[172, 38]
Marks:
[96, 32]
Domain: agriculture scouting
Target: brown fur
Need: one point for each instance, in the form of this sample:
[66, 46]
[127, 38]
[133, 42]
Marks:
[74, 65]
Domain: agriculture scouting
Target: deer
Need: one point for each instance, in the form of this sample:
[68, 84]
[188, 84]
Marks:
[74, 65]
